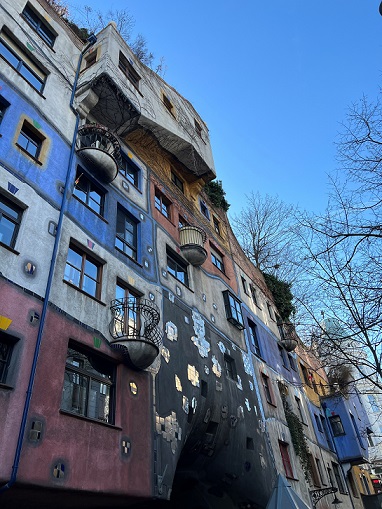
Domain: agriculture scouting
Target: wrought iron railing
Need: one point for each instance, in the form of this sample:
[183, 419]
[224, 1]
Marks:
[288, 335]
[135, 320]
[97, 136]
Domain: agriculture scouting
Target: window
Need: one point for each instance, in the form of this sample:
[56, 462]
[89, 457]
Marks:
[267, 389]
[20, 60]
[88, 193]
[204, 209]
[4, 104]
[320, 472]
[168, 104]
[230, 368]
[217, 260]
[128, 319]
[336, 424]
[254, 294]
[6, 347]
[126, 233]
[286, 459]
[30, 140]
[128, 70]
[253, 339]
[90, 59]
[292, 362]
[313, 471]
[244, 284]
[300, 410]
[326, 432]
[318, 423]
[88, 386]
[283, 356]
[270, 311]
[216, 225]
[10, 219]
[177, 267]
[162, 204]
[130, 171]
[198, 128]
[39, 25]
[352, 484]
[331, 478]
[182, 222]
[338, 476]
[306, 377]
[177, 182]
[233, 310]
[83, 271]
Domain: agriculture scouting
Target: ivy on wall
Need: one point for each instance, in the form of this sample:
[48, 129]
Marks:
[215, 192]
[282, 295]
[299, 442]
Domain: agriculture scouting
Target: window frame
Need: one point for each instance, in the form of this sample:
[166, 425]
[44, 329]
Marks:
[127, 248]
[162, 204]
[233, 309]
[85, 257]
[217, 259]
[132, 324]
[267, 388]
[180, 266]
[230, 367]
[253, 337]
[90, 188]
[21, 62]
[300, 409]
[336, 425]
[286, 460]
[33, 138]
[4, 105]
[16, 221]
[338, 477]
[178, 182]
[39, 25]
[314, 475]
[204, 209]
[168, 104]
[107, 380]
[130, 171]
[6, 356]
[216, 224]
[128, 70]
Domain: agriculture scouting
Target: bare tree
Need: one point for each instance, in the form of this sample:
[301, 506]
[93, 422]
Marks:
[343, 258]
[265, 229]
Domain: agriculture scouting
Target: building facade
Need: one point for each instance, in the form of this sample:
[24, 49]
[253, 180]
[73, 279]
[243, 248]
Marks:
[142, 358]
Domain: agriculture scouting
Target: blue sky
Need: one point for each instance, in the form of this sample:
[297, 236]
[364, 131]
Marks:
[272, 80]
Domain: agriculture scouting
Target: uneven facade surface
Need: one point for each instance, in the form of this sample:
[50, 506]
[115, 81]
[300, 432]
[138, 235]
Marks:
[142, 359]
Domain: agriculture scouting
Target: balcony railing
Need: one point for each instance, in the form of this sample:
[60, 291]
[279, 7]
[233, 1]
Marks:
[101, 149]
[288, 335]
[135, 332]
[192, 239]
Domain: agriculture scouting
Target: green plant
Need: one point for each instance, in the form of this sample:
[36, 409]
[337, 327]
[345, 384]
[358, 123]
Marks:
[299, 442]
[282, 295]
[215, 192]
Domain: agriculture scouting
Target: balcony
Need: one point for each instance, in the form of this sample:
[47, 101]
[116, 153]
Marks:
[101, 151]
[135, 332]
[288, 336]
[192, 240]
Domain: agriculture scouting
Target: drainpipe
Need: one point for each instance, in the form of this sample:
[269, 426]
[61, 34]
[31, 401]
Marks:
[91, 41]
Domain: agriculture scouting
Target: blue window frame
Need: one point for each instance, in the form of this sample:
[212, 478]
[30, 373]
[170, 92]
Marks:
[39, 25]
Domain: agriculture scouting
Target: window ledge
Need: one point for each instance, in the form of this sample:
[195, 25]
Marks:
[178, 281]
[9, 248]
[6, 387]
[89, 208]
[28, 154]
[89, 419]
[129, 257]
[84, 293]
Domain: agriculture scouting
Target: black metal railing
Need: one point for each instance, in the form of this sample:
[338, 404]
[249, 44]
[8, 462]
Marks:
[97, 136]
[135, 320]
[288, 335]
